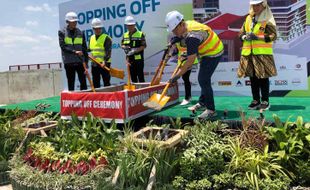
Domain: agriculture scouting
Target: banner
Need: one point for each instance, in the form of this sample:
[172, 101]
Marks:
[225, 18]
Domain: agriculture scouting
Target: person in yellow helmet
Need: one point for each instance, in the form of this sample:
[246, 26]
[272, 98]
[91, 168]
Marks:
[257, 62]
[201, 41]
[100, 45]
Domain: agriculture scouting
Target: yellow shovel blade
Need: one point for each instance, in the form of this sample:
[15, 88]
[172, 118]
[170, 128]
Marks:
[117, 73]
[154, 102]
[130, 87]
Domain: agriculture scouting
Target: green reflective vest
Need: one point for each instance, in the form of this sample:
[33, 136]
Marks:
[134, 41]
[97, 47]
[256, 47]
[74, 42]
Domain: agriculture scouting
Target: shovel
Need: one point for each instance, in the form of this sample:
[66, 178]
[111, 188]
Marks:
[160, 69]
[129, 86]
[89, 79]
[158, 101]
[117, 73]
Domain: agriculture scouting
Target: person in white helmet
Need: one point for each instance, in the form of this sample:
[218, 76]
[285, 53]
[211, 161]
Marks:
[257, 62]
[100, 45]
[134, 43]
[199, 41]
[74, 51]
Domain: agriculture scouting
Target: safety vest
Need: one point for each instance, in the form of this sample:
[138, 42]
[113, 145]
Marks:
[210, 46]
[97, 47]
[74, 42]
[182, 51]
[134, 41]
[256, 47]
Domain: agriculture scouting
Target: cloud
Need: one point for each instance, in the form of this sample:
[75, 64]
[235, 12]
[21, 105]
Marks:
[15, 36]
[43, 7]
[32, 23]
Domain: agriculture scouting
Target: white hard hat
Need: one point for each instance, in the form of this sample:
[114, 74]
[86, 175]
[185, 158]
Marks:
[173, 19]
[255, 2]
[71, 17]
[96, 23]
[129, 20]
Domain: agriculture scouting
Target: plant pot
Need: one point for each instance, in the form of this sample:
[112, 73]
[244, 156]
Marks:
[163, 137]
[4, 175]
[41, 127]
[4, 178]
[17, 185]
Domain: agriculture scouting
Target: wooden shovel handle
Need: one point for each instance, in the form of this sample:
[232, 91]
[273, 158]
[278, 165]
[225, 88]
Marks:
[168, 84]
[89, 79]
[101, 65]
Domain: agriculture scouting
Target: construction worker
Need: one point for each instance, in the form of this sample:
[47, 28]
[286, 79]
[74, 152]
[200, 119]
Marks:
[182, 56]
[100, 45]
[134, 43]
[74, 51]
[200, 42]
[257, 62]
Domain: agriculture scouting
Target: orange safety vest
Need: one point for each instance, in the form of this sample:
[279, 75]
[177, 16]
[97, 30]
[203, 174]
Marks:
[210, 46]
[256, 47]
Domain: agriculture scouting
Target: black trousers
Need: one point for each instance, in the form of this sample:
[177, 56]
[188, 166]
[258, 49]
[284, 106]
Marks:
[187, 84]
[136, 71]
[71, 68]
[98, 72]
[260, 86]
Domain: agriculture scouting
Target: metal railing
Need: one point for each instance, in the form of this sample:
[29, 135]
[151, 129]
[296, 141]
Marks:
[57, 65]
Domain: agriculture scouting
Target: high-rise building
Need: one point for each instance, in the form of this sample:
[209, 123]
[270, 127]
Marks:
[290, 16]
[205, 9]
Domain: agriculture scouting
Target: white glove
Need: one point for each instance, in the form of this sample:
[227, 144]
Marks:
[131, 52]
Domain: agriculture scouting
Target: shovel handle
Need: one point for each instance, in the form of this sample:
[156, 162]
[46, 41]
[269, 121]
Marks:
[89, 79]
[161, 66]
[101, 65]
[128, 73]
[168, 84]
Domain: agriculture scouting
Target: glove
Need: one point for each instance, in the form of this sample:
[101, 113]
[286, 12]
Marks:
[131, 52]
[251, 36]
[126, 49]
[174, 79]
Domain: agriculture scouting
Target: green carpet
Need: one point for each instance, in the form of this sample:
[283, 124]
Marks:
[284, 107]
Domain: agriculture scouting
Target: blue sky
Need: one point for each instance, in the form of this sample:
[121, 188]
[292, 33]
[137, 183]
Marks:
[28, 32]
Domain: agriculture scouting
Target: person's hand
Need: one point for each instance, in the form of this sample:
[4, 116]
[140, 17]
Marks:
[174, 79]
[251, 36]
[102, 64]
[86, 71]
[79, 53]
[131, 52]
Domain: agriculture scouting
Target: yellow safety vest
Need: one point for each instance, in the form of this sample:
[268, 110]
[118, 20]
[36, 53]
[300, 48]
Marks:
[256, 47]
[183, 50]
[210, 46]
[97, 47]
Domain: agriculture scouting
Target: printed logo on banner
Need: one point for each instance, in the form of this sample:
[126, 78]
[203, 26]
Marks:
[296, 81]
[234, 69]
[298, 67]
[280, 82]
[224, 83]
[220, 70]
[239, 84]
[282, 67]
[247, 83]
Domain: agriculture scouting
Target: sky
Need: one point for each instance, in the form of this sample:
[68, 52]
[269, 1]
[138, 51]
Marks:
[29, 32]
